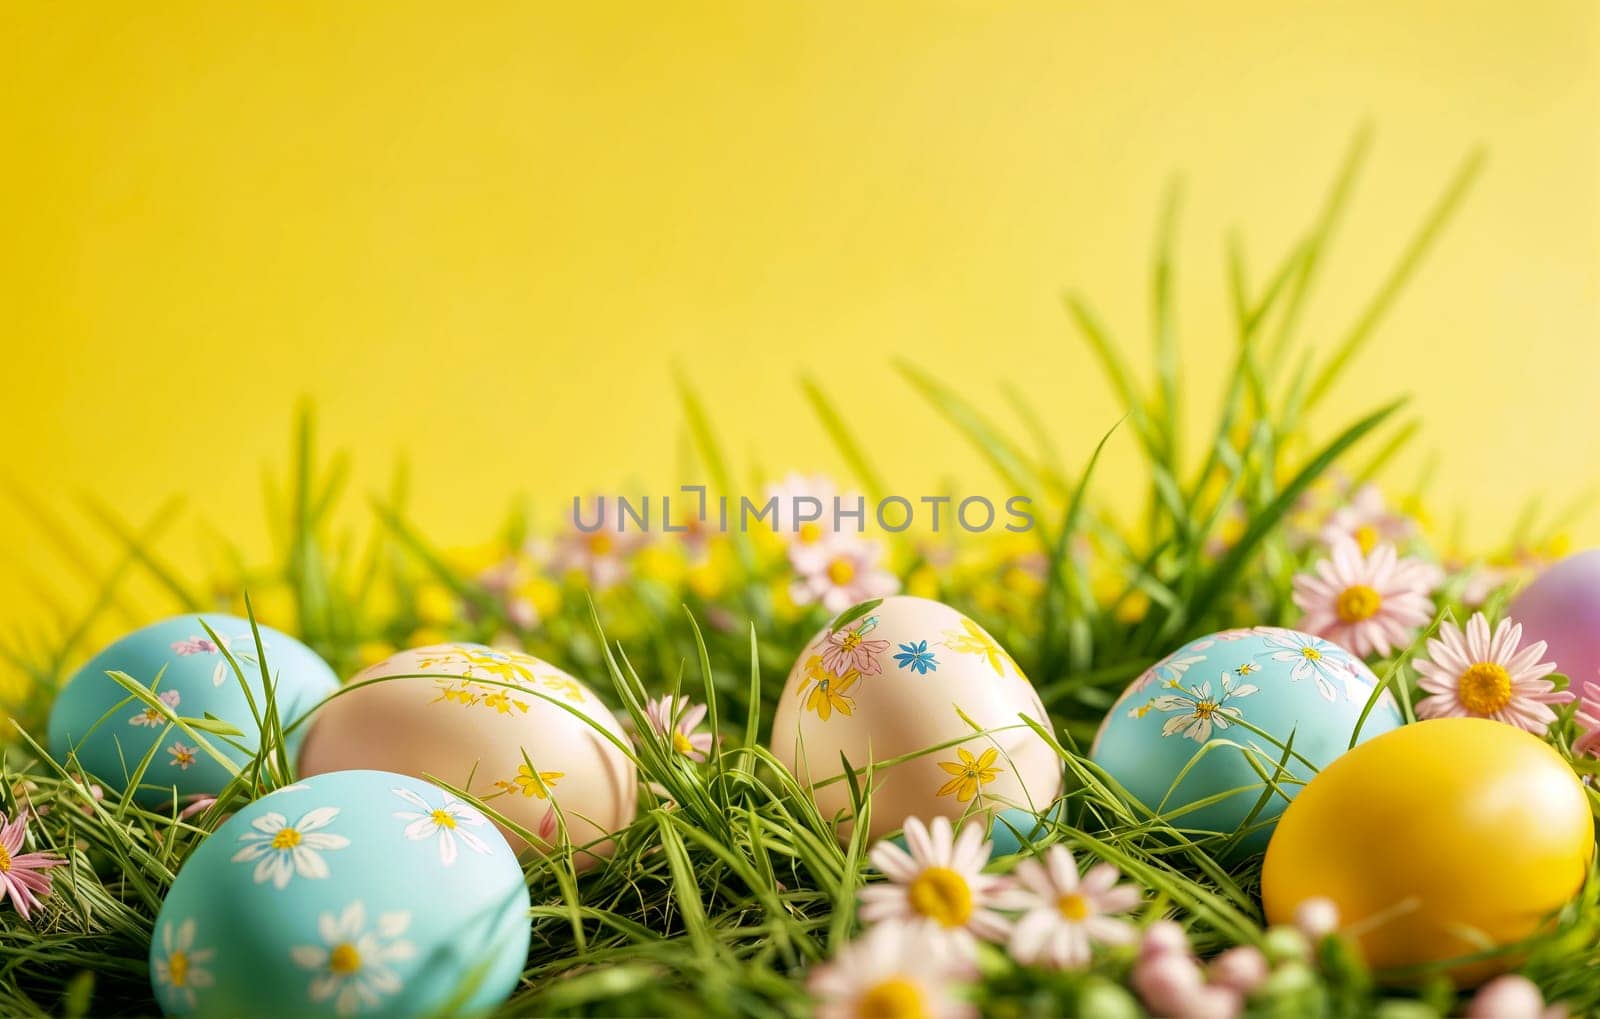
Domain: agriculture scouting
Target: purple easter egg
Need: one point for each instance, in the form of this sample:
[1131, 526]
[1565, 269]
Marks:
[1562, 608]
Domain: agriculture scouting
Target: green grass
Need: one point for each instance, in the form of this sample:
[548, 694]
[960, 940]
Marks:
[730, 884]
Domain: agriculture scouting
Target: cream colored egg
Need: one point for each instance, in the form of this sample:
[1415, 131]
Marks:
[494, 723]
[894, 677]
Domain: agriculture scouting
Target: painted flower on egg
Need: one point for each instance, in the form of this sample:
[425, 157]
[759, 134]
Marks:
[281, 851]
[354, 964]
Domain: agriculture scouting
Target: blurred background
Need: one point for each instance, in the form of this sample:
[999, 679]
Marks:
[484, 239]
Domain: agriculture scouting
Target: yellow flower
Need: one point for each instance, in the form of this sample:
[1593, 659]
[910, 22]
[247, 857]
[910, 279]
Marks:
[971, 773]
[436, 604]
[708, 579]
[532, 783]
[1133, 608]
[544, 596]
[426, 636]
[371, 652]
[829, 692]
[562, 685]
[975, 641]
[923, 582]
[658, 563]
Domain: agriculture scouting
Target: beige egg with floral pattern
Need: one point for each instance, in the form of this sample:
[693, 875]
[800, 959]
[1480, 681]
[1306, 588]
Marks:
[899, 684]
[529, 740]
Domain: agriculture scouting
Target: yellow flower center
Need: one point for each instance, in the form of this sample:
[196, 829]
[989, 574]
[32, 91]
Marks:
[344, 959]
[5, 860]
[894, 998]
[1367, 537]
[841, 571]
[1358, 603]
[1073, 906]
[681, 743]
[1311, 654]
[178, 968]
[1484, 688]
[1204, 709]
[287, 838]
[810, 533]
[852, 640]
[443, 819]
[601, 544]
[941, 895]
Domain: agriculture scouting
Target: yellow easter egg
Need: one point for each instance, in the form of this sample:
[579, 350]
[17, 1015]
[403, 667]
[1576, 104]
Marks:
[1436, 840]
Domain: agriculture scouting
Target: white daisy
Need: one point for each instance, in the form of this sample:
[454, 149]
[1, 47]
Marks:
[1200, 711]
[181, 968]
[899, 970]
[1313, 658]
[284, 850]
[1063, 915]
[940, 884]
[353, 965]
[447, 823]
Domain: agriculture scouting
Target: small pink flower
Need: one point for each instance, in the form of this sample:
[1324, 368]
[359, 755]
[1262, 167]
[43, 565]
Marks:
[1588, 718]
[675, 720]
[152, 717]
[1367, 521]
[195, 646]
[1163, 937]
[1482, 675]
[851, 573]
[848, 648]
[598, 550]
[1242, 968]
[1366, 603]
[1511, 997]
[182, 755]
[24, 877]
[1168, 982]
[1317, 918]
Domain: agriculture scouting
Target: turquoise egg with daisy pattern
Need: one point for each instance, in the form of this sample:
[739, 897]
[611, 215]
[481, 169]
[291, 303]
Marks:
[187, 667]
[1219, 735]
[354, 893]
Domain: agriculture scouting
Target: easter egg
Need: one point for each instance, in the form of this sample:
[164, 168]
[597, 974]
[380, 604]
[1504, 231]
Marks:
[1256, 688]
[1436, 841]
[1014, 828]
[506, 727]
[891, 679]
[1562, 608]
[357, 892]
[112, 733]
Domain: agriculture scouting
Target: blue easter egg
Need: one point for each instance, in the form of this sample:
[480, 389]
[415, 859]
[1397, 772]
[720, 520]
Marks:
[1256, 688]
[112, 733]
[350, 893]
[1013, 825]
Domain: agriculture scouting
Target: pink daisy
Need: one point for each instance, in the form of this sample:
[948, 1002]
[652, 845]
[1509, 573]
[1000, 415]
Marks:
[24, 877]
[1367, 521]
[852, 572]
[1588, 718]
[675, 720]
[1366, 603]
[599, 547]
[1484, 675]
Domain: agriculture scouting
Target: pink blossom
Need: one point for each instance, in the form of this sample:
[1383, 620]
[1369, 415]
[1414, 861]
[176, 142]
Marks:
[675, 720]
[598, 550]
[1588, 718]
[1511, 997]
[1480, 674]
[852, 573]
[1366, 603]
[24, 877]
[848, 648]
[195, 646]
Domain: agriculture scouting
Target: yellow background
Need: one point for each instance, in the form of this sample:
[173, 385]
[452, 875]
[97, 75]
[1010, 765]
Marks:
[482, 234]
